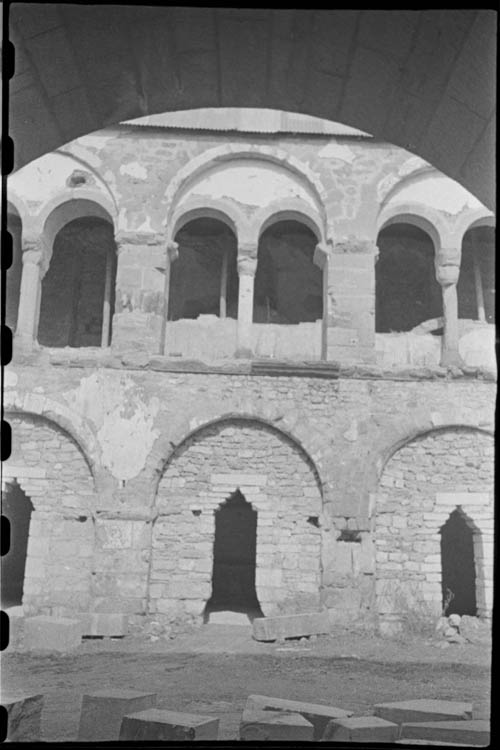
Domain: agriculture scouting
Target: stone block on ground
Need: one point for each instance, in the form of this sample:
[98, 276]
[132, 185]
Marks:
[159, 725]
[266, 726]
[424, 709]
[473, 732]
[102, 712]
[318, 715]
[108, 624]
[361, 729]
[44, 633]
[24, 716]
[475, 630]
[229, 618]
[290, 626]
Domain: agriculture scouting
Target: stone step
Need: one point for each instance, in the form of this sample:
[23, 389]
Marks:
[361, 729]
[473, 732]
[266, 726]
[102, 712]
[160, 725]
[290, 626]
[423, 709]
[318, 715]
[24, 716]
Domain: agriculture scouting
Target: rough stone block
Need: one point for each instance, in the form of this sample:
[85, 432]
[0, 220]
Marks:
[474, 732]
[290, 626]
[361, 729]
[265, 726]
[102, 712]
[159, 725]
[319, 716]
[44, 633]
[229, 618]
[105, 624]
[424, 709]
[24, 715]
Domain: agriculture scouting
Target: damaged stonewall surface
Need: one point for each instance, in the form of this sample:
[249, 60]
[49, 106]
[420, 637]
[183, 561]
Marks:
[253, 376]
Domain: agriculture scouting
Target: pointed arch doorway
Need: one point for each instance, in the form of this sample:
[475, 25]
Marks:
[458, 565]
[234, 559]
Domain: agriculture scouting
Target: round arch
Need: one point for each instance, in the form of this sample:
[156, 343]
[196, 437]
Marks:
[480, 217]
[290, 210]
[69, 205]
[221, 154]
[204, 208]
[419, 216]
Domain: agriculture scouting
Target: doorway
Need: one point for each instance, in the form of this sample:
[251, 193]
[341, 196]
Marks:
[17, 507]
[458, 566]
[235, 544]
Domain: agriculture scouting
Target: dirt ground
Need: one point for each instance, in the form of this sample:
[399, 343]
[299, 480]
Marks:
[212, 670]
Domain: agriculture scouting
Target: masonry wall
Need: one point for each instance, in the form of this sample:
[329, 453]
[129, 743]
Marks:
[276, 477]
[159, 442]
[421, 485]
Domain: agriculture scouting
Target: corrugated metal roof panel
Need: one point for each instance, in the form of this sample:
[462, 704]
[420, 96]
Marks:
[245, 120]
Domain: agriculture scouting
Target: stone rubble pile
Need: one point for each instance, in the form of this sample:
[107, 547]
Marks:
[462, 629]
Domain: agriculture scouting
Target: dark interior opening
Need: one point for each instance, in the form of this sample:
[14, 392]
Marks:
[17, 507]
[476, 283]
[458, 567]
[288, 285]
[406, 290]
[14, 273]
[235, 545]
[74, 288]
[204, 278]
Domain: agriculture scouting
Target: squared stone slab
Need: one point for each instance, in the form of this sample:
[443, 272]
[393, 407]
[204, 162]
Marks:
[24, 716]
[473, 732]
[423, 709]
[361, 729]
[159, 725]
[102, 712]
[105, 624]
[290, 626]
[316, 714]
[44, 633]
[265, 726]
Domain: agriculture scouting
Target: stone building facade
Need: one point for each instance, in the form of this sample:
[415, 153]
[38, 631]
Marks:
[253, 369]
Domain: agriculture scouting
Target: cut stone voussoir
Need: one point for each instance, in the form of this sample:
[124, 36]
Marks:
[160, 725]
[46, 633]
[424, 710]
[361, 729]
[264, 726]
[102, 712]
[290, 626]
[473, 732]
[24, 715]
[316, 714]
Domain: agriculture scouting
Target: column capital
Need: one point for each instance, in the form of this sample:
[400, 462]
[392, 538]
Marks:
[247, 266]
[321, 254]
[447, 264]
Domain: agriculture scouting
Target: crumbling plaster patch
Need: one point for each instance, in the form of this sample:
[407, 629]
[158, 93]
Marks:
[123, 421]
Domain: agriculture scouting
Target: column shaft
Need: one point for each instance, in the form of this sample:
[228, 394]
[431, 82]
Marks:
[247, 266]
[29, 299]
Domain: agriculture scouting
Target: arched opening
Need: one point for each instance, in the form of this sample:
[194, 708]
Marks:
[234, 558]
[14, 272]
[288, 285]
[406, 290]
[458, 566]
[476, 283]
[204, 278]
[17, 507]
[78, 289]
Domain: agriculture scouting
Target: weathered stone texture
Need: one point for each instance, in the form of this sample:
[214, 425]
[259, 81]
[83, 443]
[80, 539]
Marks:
[102, 712]
[361, 729]
[423, 710]
[472, 732]
[158, 725]
[52, 633]
[282, 486]
[290, 626]
[420, 486]
[318, 715]
[24, 716]
[266, 726]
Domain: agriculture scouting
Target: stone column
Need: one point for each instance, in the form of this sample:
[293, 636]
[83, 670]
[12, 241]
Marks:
[139, 298]
[321, 256]
[172, 253]
[447, 273]
[247, 266]
[351, 301]
[35, 265]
